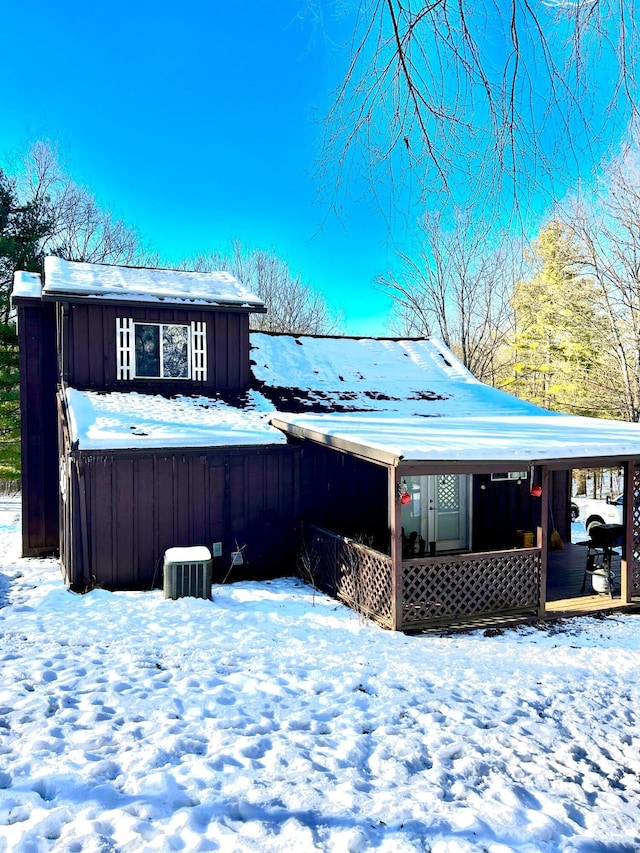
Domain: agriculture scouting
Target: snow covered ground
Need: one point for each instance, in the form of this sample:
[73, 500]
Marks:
[274, 719]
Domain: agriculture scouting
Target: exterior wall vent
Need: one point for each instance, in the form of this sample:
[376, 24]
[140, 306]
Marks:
[187, 572]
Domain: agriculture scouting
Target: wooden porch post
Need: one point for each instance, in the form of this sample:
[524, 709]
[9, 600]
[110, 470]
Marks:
[542, 539]
[626, 564]
[396, 548]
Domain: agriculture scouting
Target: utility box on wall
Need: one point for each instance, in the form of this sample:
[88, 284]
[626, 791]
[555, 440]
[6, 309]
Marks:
[187, 572]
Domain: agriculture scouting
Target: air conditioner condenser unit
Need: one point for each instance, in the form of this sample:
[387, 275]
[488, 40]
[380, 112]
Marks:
[187, 572]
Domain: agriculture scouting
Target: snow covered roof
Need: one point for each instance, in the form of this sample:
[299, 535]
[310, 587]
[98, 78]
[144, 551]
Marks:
[501, 438]
[384, 399]
[26, 284]
[414, 400]
[305, 373]
[121, 420]
[103, 281]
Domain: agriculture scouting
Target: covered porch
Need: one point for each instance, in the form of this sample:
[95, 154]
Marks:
[422, 583]
[537, 580]
[459, 500]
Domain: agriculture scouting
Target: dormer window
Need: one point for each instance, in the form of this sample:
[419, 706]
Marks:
[161, 350]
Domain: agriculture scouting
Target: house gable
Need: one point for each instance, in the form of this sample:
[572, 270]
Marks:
[154, 331]
[97, 348]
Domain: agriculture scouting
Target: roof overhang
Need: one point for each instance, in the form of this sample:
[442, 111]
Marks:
[337, 442]
[143, 301]
[123, 284]
[470, 443]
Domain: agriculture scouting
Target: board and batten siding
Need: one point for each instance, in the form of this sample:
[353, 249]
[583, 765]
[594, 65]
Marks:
[39, 450]
[501, 508]
[88, 347]
[345, 494]
[132, 506]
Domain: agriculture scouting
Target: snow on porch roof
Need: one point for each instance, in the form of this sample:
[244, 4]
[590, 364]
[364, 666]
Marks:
[504, 438]
[392, 399]
[121, 283]
[306, 373]
[126, 420]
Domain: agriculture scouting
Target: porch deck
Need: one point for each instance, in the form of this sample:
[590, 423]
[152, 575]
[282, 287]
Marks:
[565, 575]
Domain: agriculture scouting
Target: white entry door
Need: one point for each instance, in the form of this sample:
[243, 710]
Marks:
[448, 500]
[439, 511]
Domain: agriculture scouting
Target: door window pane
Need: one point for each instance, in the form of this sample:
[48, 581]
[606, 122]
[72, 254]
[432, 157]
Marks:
[449, 493]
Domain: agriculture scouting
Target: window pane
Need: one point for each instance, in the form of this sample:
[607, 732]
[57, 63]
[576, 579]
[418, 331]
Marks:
[175, 352]
[147, 350]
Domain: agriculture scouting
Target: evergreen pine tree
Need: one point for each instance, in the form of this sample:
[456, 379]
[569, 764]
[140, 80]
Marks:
[22, 229]
[558, 339]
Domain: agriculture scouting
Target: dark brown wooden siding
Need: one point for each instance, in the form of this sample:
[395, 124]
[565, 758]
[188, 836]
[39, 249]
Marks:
[139, 504]
[345, 494]
[504, 507]
[88, 348]
[39, 446]
[500, 509]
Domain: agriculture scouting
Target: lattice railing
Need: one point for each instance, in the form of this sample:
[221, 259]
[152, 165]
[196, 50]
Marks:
[354, 573]
[436, 590]
[636, 529]
[318, 558]
[443, 590]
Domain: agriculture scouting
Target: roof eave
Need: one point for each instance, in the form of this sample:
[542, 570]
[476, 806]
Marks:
[389, 458]
[341, 443]
[173, 302]
[484, 466]
[25, 299]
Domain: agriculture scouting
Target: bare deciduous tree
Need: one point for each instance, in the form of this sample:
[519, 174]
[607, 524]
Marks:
[42, 211]
[609, 229]
[292, 304]
[80, 229]
[499, 93]
[456, 287]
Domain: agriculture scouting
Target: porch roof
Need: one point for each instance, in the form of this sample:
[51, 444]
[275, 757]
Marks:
[480, 438]
[393, 399]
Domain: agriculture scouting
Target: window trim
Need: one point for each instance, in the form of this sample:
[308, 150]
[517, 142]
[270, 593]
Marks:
[126, 350]
[162, 326]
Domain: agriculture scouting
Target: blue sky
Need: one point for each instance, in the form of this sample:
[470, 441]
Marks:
[201, 122]
[197, 123]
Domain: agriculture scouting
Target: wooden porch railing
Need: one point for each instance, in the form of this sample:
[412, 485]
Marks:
[448, 589]
[636, 529]
[435, 590]
[349, 570]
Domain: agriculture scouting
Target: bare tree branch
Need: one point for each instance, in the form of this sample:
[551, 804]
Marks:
[609, 229]
[80, 229]
[456, 285]
[475, 97]
[292, 304]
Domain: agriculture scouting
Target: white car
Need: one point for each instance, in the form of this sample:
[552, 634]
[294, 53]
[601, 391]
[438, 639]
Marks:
[592, 511]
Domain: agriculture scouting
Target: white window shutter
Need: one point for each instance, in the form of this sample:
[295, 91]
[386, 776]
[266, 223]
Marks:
[125, 348]
[199, 351]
